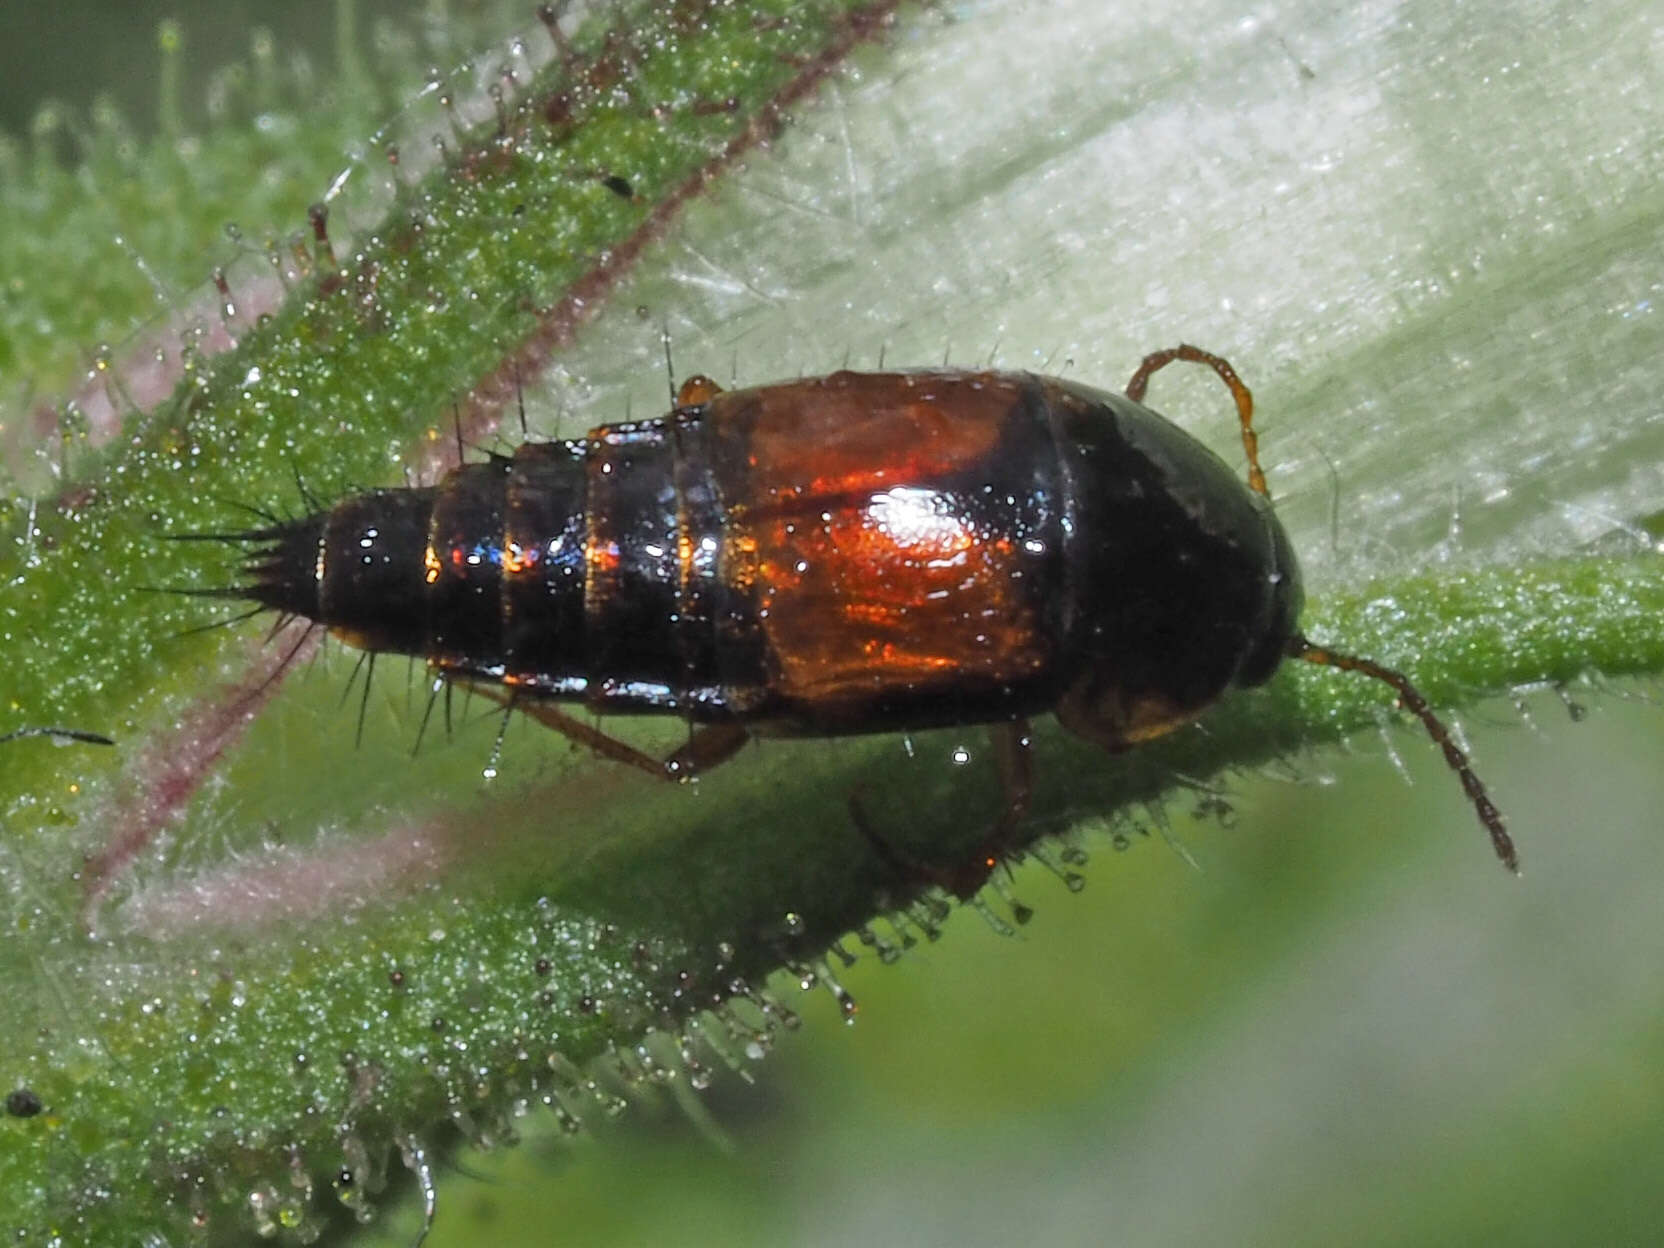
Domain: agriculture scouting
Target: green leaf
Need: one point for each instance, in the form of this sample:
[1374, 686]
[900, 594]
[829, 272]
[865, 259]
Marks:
[336, 947]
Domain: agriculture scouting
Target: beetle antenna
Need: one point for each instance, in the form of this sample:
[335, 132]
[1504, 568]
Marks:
[1158, 360]
[1410, 698]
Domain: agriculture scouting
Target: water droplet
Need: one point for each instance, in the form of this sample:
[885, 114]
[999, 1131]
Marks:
[564, 1118]
[846, 1003]
[262, 1201]
[937, 910]
[697, 1073]
[999, 925]
[787, 1017]
[898, 929]
[228, 307]
[887, 952]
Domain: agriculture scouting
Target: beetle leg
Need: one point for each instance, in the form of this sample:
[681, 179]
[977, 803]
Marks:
[709, 745]
[962, 882]
[1014, 756]
[696, 391]
[574, 729]
[1158, 360]
[1109, 717]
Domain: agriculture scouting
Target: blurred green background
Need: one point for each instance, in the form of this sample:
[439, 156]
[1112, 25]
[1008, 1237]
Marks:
[1430, 239]
[1336, 1031]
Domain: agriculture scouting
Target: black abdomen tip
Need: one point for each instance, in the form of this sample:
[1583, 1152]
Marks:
[282, 570]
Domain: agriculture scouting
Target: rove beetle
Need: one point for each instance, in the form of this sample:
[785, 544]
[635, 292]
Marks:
[855, 553]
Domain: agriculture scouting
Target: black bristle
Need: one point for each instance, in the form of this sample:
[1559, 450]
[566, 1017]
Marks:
[279, 567]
